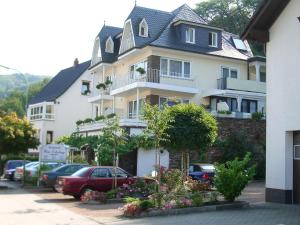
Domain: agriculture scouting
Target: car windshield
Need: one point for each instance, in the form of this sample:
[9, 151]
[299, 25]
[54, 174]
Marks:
[208, 168]
[31, 164]
[14, 164]
[81, 172]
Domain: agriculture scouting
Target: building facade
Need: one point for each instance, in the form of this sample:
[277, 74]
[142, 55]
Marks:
[168, 58]
[277, 24]
[55, 110]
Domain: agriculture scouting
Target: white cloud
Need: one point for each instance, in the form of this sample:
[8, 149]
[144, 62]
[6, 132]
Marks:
[43, 37]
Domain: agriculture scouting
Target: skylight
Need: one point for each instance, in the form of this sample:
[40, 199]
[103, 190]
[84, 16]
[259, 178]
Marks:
[239, 44]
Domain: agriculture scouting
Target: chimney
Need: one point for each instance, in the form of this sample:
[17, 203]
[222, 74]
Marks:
[76, 62]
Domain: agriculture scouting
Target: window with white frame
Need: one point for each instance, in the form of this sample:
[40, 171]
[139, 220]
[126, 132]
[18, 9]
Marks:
[143, 28]
[85, 88]
[36, 113]
[213, 39]
[190, 35]
[229, 72]
[109, 45]
[163, 101]
[132, 108]
[175, 68]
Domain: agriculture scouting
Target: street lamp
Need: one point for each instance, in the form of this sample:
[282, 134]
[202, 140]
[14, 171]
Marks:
[25, 109]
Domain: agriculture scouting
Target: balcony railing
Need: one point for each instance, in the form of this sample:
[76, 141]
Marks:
[241, 85]
[152, 76]
[41, 116]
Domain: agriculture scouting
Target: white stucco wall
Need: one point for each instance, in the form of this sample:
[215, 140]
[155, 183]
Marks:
[69, 107]
[283, 98]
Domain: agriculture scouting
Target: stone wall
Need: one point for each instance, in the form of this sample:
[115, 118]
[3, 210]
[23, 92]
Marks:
[256, 130]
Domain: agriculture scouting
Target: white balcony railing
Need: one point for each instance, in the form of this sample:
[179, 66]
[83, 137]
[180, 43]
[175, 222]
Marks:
[152, 76]
[46, 116]
[241, 85]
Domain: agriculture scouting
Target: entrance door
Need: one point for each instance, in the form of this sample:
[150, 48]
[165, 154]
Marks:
[296, 175]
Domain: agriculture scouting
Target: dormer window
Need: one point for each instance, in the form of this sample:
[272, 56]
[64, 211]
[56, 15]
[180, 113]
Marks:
[109, 45]
[143, 28]
[213, 39]
[190, 35]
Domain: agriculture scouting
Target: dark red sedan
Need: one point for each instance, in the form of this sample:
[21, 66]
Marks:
[95, 178]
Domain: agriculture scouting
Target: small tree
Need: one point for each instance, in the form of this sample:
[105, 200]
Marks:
[233, 176]
[16, 135]
[157, 123]
[190, 128]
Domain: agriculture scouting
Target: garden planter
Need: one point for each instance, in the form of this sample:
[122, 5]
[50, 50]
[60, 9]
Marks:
[205, 208]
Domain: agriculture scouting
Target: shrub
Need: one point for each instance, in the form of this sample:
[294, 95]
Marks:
[173, 179]
[131, 209]
[88, 120]
[146, 204]
[233, 176]
[77, 159]
[98, 118]
[226, 112]
[111, 194]
[257, 115]
[131, 199]
[79, 122]
[197, 199]
[111, 115]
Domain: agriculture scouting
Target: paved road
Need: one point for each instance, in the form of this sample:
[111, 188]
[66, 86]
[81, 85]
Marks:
[19, 207]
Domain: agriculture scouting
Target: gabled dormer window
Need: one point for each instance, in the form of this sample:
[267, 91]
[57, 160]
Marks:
[109, 45]
[143, 28]
[190, 35]
[213, 39]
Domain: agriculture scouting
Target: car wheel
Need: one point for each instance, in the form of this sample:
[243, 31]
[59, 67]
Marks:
[77, 197]
[85, 190]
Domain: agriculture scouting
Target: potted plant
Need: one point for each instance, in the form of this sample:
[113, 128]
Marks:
[141, 70]
[101, 86]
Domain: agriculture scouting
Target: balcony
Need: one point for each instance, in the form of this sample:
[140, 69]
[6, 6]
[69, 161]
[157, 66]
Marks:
[125, 120]
[153, 79]
[241, 85]
[99, 95]
[42, 116]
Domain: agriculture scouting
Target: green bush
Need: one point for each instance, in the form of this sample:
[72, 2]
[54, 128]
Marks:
[111, 115]
[257, 115]
[233, 176]
[131, 199]
[146, 204]
[77, 159]
[197, 199]
[79, 122]
[98, 118]
[111, 194]
[88, 120]
[226, 112]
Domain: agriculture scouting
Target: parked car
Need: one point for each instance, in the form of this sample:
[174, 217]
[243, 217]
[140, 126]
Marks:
[19, 170]
[202, 171]
[95, 178]
[48, 179]
[32, 171]
[10, 168]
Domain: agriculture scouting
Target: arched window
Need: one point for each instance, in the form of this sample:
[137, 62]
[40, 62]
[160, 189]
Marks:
[143, 29]
[109, 46]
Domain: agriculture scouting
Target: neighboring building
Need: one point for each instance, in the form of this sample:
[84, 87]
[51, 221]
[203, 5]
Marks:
[56, 108]
[276, 23]
[167, 57]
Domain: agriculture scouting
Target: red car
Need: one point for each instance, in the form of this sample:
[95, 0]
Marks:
[98, 178]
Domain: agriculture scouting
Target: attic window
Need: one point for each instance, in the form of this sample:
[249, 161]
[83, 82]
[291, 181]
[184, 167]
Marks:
[239, 44]
[190, 35]
[143, 28]
[109, 46]
[213, 39]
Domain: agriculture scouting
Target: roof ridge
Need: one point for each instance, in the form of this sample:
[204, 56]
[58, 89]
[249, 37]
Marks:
[156, 10]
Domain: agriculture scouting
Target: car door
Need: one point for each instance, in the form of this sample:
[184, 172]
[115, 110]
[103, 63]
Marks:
[122, 176]
[100, 180]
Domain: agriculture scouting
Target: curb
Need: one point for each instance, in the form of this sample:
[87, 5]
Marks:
[208, 208]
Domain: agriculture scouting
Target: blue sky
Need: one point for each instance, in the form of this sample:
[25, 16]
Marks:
[44, 36]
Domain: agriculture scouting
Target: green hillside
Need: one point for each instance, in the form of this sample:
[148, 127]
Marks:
[10, 83]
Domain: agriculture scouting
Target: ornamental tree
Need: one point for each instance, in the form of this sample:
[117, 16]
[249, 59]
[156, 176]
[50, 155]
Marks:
[16, 134]
[190, 128]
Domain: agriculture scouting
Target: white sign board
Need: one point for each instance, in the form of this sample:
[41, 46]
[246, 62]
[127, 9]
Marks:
[54, 153]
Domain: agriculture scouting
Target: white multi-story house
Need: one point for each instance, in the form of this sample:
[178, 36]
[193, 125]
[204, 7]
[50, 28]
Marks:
[160, 56]
[56, 108]
[277, 23]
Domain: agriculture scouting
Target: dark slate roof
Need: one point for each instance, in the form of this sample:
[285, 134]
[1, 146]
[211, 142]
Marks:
[157, 20]
[60, 83]
[185, 13]
[105, 32]
[162, 33]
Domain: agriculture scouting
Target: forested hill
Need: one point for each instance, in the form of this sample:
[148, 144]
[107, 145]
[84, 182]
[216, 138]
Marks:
[10, 83]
